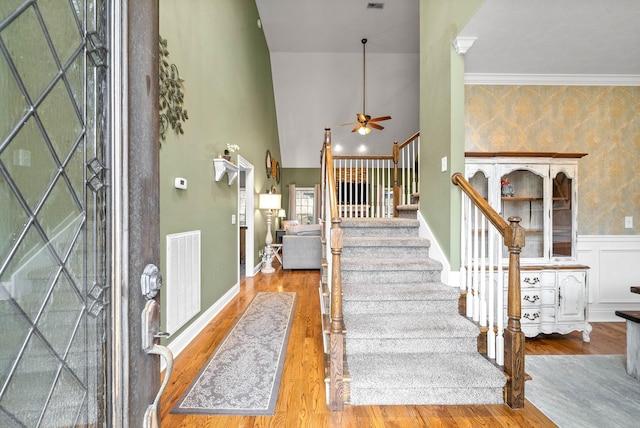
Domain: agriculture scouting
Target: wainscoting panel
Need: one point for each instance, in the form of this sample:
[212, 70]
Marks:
[615, 266]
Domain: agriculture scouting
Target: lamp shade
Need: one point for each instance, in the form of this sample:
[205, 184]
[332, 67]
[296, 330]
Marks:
[269, 201]
[281, 214]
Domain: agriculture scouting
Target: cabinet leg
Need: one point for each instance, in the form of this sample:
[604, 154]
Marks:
[586, 332]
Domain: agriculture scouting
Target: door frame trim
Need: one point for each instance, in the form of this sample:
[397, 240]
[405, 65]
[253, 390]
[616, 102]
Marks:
[249, 170]
[119, 253]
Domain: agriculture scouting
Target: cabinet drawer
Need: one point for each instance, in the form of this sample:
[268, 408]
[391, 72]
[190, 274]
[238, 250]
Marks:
[548, 315]
[548, 296]
[530, 297]
[530, 316]
[536, 315]
[534, 279]
[530, 279]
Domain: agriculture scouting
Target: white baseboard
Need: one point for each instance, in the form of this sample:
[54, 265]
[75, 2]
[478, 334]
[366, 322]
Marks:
[250, 273]
[178, 344]
[435, 252]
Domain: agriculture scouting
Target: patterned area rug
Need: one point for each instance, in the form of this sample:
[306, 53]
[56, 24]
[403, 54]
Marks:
[242, 377]
[583, 390]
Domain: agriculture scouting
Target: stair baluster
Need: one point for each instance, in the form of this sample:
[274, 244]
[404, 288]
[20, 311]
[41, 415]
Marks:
[513, 339]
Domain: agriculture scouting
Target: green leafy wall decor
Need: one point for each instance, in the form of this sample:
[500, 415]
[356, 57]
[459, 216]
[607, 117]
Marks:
[171, 95]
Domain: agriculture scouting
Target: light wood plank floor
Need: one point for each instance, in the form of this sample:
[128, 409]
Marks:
[301, 401]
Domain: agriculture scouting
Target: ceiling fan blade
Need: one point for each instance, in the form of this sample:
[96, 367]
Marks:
[361, 117]
[358, 126]
[376, 126]
[380, 119]
[348, 123]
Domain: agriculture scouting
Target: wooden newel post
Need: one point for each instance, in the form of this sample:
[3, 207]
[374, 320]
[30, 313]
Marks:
[336, 336]
[396, 187]
[513, 336]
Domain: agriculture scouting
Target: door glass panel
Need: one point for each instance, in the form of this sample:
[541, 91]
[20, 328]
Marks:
[29, 275]
[62, 26]
[481, 183]
[75, 78]
[58, 108]
[13, 219]
[562, 216]
[25, 398]
[63, 308]
[36, 69]
[14, 106]
[522, 196]
[476, 221]
[53, 292]
[29, 163]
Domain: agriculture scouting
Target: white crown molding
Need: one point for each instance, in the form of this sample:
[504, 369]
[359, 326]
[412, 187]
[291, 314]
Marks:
[462, 44]
[552, 79]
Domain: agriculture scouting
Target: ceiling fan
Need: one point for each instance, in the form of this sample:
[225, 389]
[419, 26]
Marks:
[365, 122]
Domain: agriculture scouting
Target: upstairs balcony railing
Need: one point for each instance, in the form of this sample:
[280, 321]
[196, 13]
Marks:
[375, 185]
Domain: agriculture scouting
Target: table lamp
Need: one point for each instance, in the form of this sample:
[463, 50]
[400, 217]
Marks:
[281, 216]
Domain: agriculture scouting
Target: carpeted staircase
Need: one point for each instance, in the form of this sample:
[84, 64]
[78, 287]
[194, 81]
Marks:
[406, 342]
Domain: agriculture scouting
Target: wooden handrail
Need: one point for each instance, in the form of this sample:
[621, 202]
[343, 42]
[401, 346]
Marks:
[514, 240]
[364, 157]
[331, 181]
[409, 140]
[477, 199]
[336, 330]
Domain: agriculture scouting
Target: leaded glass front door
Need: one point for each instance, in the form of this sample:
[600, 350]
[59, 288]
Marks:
[53, 293]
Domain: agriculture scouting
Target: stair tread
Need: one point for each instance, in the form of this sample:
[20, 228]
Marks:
[423, 370]
[379, 222]
[408, 325]
[363, 263]
[400, 291]
[370, 241]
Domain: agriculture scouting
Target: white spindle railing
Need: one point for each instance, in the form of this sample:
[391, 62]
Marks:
[483, 277]
[486, 293]
[365, 184]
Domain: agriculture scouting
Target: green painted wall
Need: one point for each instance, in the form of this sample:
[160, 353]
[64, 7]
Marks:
[224, 60]
[301, 177]
[442, 118]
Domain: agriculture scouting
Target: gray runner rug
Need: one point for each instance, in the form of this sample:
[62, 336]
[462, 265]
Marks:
[242, 377]
[583, 390]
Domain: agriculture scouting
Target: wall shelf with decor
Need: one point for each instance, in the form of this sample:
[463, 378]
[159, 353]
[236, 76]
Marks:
[223, 166]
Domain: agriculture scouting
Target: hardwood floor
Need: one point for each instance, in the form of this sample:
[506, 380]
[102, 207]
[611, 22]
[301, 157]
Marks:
[301, 401]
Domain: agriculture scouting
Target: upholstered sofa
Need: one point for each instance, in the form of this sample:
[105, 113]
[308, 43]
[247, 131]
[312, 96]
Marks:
[301, 247]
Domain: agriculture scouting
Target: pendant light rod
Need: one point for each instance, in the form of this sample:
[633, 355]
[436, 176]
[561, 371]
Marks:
[364, 75]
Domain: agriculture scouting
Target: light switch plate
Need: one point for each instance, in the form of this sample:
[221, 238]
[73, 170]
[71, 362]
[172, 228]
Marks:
[444, 164]
[233, 219]
[628, 222]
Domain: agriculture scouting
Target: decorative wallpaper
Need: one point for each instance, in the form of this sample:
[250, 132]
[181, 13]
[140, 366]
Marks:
[601, 121]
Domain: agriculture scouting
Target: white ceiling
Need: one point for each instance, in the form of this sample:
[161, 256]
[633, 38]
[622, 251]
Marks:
[316, 57]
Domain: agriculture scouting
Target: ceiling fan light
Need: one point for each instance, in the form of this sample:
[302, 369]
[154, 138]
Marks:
[364, 130]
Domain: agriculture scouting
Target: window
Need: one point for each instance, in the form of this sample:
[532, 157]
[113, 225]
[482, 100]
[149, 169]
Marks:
[304, 204]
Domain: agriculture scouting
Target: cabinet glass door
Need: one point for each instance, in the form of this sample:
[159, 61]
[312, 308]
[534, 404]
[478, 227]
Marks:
[476, 221]
[562, 216]
[522, 195]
